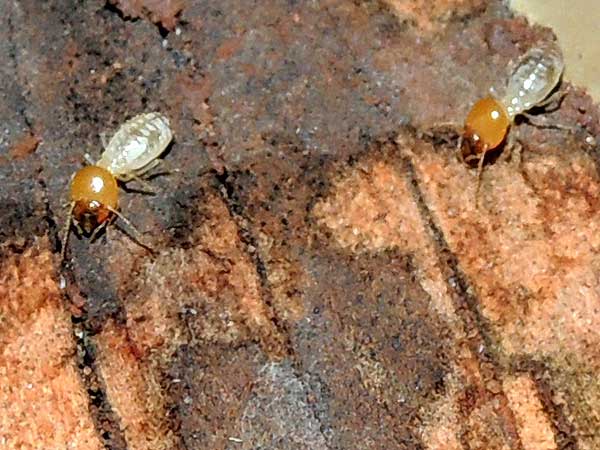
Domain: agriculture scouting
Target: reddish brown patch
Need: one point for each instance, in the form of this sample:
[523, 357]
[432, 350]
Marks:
[530, 249]
[228, 48]
[133, 391]
[192, 95]
[42, 401]
[426, 12]
[213, 287]
[25, 288]
[535, 429]
[25, 146]
[163, 12]
[371, 209]
[220, 236]
[442, 430]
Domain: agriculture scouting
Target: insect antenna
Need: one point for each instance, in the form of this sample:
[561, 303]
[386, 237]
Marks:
[136, 237]
[97, 231]
[479, 173]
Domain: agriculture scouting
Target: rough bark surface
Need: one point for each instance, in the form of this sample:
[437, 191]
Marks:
[323, 278]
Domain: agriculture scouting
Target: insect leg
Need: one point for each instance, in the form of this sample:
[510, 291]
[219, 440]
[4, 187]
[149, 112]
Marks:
[145, 169]
[459, 151]
[142, 174]
[507, 151]
[554, 100]
[544, 122]
[166, 169]
[479, 173]
[147, 188]
[89, 159]
[104, 139]
[127, 177]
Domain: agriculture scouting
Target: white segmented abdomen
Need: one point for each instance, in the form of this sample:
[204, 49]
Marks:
[535, 76]
[136, 143]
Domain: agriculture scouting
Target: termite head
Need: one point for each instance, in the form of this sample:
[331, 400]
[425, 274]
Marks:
[94, 195]
[486, 127]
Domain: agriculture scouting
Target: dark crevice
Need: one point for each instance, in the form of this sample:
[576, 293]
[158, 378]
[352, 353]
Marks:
[466, 305]
[113, 9]
[236, 210]
[105, 419]
[564, 430]
[164, 32]
[464, 299]
[52, 226]
[90, 308]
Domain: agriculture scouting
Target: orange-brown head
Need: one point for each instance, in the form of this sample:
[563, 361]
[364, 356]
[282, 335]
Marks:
[94, 193]
[486, 126]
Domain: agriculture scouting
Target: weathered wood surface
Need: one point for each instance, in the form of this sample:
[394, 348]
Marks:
[324, 279]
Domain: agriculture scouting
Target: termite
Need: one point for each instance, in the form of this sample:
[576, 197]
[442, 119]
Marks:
[489, 122]
[131, 153]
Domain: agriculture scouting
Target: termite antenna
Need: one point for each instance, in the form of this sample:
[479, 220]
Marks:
[479, 173]
[97, 231]
[138, 234]
[65, 233]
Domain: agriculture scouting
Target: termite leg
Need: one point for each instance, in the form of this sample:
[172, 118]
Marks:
[459, 153]
[147, 189]
[555, 100]
[147, 168]
[89, 159]
[104, 139]
[544, 122]
[507, 151]
[166, 169]
[467, 159]
[479, 173]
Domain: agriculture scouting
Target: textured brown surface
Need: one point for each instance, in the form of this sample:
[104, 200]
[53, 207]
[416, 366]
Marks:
[323, 278]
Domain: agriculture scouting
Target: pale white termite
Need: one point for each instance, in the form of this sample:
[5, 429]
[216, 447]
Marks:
[133, 149]
[535, 75]
[130, 153]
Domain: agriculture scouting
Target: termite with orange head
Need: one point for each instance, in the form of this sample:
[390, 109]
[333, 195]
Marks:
[489, 123]
[130, 153]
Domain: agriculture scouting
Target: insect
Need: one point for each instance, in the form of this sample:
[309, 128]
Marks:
[489, 122]
[131, 153]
